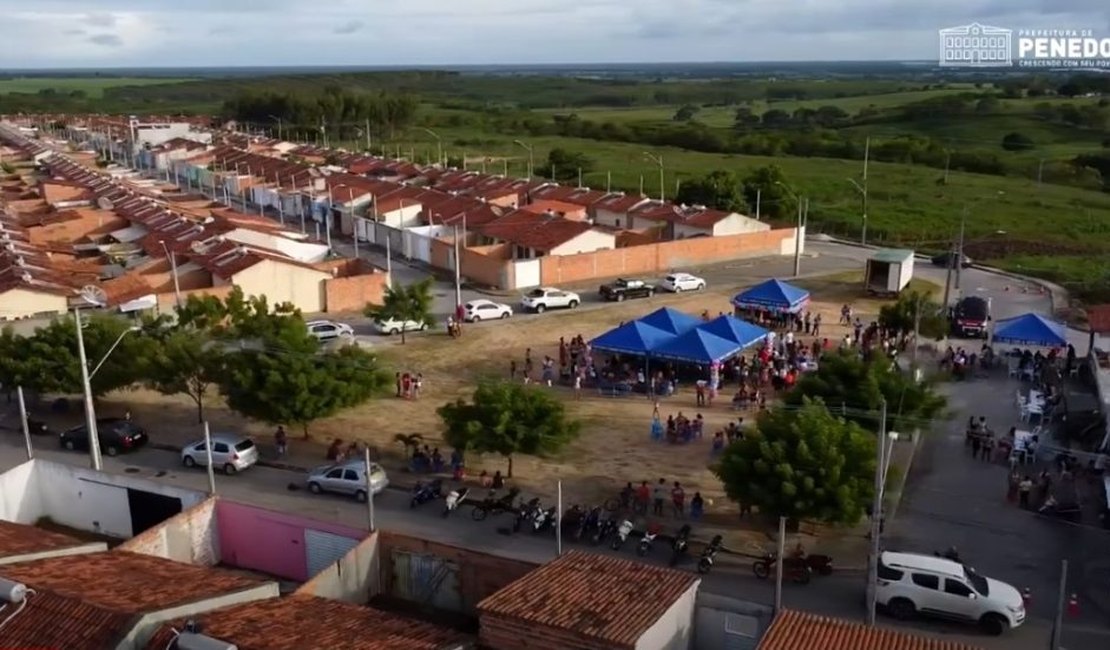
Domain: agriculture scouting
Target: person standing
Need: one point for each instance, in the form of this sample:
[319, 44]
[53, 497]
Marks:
[657, 495]
[1024, 488]
[678, 500]
[697, 506]
[643, 494]
[280, 441]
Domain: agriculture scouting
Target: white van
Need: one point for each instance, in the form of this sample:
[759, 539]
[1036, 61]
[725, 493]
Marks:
[910, 583]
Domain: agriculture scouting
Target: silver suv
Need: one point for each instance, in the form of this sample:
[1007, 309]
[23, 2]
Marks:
[347, 478]
[231, 453]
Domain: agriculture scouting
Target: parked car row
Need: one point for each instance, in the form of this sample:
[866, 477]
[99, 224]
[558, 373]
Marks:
[545, 298]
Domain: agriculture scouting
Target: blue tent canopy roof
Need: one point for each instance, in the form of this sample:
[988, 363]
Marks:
[697, 346]
[1030, 329]
[772, 294]
[671, 320]
[634, 337]
[735, 330]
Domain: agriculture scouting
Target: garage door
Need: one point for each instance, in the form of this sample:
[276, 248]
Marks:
[324, 549]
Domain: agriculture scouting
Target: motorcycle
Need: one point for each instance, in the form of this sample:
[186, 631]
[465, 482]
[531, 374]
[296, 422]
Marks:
[495, 505]
[705, 562]
[1053, 508]
[794, 569]
[425, 492]
[454, 500]
[605, 528]
[527, 512]
[646, 541]
[572, 518]
[680, 543]
[588, 523]
[545, 519]
[950, 554]
[623, 532]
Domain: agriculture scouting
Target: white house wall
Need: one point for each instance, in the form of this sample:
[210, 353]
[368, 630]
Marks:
[674, 630]
[19, 500]
[404, 217]
[21, 303]
[587, 242]
[301, 251]
[736, 224]
[279, 282]
[603, 217]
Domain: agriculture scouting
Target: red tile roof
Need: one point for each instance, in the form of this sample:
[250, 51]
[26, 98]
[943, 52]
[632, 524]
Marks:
[600, 597]
[55, 621]
[695, 216]
[126, 582]
[1098, 319]
[620, 202]
[21, 539]
[794, 630]
[302, 622]
[537, 231]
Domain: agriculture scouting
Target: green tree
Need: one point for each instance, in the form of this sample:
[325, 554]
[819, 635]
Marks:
[802, 464]
[768, 185]
[13, 362]
[1017, 142]
[718, 189]
[900, 316]
[856, 388]
[51, 363]
[744, 120]
[297, 386]
[565, 165]
[987, 105]
[686, 113]
[184, 361]
[508, 418]
[403, 303]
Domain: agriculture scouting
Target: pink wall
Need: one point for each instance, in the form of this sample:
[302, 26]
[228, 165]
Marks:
[269, 541]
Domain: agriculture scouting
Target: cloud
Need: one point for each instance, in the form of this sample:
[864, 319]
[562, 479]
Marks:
[101, 20]
[74, 32]
[349, 27]
[107, 40]
[219, 31]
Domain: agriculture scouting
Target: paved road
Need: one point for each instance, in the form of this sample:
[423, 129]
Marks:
[840, 595]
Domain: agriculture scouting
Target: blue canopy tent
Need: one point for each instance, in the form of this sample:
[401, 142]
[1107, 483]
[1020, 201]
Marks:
[697, 346]
[735, 329]
[671, 320]
[1032, 330]
[634, 337]
[773, 294]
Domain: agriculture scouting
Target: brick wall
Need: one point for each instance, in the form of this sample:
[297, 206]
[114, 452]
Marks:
[661, 257]
[354, 292]
[480, 574]
[486, 265]
[187, 537]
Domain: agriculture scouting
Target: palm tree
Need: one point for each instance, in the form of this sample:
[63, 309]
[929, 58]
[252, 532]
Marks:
[405, 303]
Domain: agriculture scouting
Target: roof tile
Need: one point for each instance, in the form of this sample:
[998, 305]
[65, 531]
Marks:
[794, 630]
[606, 598]
[19, 539]
[55, 621]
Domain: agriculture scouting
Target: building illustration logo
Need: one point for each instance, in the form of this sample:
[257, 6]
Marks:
[976, 46]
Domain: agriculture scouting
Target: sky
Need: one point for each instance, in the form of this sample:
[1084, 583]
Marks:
[192, 33]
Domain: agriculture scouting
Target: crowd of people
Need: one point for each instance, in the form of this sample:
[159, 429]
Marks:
[654, 498]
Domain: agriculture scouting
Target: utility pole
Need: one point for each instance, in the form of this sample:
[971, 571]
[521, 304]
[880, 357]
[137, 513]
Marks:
[1040, 171]
[608, 181]
[90, 413]
[24, 422]
[876, 518]
[779, 561]
[866, 159]
[947, 164]
[948, 274]
[368, 134]
[369, 487]
[758, 201]
[208, 456]
[960, 251]
[798, 242]
[1058, 623]
[579, 177]
[658, 160]
[458, 275]
[559, 524]
[916, 330]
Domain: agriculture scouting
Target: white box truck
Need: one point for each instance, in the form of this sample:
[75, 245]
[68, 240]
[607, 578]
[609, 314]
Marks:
[888, 271]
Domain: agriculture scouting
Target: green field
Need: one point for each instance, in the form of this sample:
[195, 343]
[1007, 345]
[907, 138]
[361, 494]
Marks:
[91, 86]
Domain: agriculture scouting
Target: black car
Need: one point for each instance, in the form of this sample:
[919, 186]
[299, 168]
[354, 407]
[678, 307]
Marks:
[971, 317]
[117, 435]
[622, 289]
[944, 260]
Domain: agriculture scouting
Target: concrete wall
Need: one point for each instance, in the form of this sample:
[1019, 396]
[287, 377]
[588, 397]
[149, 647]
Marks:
[354, 579]
[354, 292]
[21, 303]
[269, 541]
[149, 624]
[721, 620]
[587, 242]
[674, 630]
[189, 537]
[79, 498]
[281, 282]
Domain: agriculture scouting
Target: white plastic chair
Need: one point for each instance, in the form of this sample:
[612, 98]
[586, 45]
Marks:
[1012, 367]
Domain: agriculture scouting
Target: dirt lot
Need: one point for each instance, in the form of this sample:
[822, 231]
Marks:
[615, 445]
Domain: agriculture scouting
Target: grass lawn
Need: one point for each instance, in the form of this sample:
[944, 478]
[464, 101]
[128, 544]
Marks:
[92, 86]
[615, 444]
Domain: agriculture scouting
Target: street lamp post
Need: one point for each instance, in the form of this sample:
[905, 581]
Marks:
[275, 117]
[798, 231]
[658, 160]
[439, 144]
[862, 189]
[531, 156]
[94, 296]
[173, 269]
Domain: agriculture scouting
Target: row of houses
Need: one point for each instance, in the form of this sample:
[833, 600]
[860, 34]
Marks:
[147, 243]
[114, 561]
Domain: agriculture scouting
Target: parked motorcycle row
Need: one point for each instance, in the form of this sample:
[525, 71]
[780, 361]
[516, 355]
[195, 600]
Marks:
[594, 526]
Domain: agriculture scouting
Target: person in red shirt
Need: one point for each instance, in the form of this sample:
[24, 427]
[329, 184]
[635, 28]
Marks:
[678, 500]
[643, 495]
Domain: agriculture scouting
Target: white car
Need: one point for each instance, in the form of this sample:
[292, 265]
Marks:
[679, 282]
[230, 453]
[391, 326]
[326, 330]
[480, 310]
[910, 583]
[544, 298]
